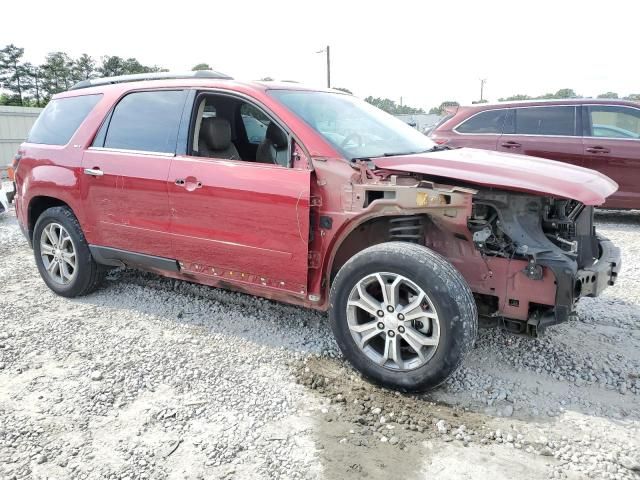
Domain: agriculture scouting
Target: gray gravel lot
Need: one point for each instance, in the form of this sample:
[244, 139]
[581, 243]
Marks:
[155, 378]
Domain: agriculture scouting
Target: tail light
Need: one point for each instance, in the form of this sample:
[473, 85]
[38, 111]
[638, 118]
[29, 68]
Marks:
[440, 141]
[11, 169]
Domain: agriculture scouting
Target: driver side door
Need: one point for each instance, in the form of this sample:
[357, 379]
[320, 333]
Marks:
[241, 222]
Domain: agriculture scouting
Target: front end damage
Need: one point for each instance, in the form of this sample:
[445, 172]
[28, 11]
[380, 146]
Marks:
[556, 248]
[527, 258]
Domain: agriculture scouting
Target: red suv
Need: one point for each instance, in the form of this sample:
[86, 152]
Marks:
[600, 134]
[313, 198]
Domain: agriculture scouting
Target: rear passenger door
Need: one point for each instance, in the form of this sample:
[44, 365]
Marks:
[544, 131]
[126, 171]
[612, 146]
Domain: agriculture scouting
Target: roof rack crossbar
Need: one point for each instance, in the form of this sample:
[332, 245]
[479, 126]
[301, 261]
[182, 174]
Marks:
[138, 77]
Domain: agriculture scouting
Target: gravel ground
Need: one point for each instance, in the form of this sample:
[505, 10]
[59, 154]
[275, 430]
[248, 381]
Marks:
[155, 378]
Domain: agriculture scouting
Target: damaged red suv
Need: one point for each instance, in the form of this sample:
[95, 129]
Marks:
[313, 198]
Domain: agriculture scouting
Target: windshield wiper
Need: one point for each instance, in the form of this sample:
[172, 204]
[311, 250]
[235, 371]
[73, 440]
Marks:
[397, 154]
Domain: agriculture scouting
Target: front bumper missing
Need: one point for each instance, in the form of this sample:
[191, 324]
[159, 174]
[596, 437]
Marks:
[591, 281]
[573, 284]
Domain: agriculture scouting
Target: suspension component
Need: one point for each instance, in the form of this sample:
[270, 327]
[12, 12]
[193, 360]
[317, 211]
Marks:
[406, 229]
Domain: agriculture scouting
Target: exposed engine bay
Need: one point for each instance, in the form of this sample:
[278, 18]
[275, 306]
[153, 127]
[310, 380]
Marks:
[566, 224]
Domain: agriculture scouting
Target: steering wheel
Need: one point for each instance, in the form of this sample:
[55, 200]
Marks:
[350, 137]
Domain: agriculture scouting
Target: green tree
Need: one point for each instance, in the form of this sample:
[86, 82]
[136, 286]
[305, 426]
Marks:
[112, 66]
[391, 106]
[565, 93]
[345, 90]
[12, 73]
[84, 68]
[57, 74]
[201, 66]
[516, 97]
[435, 111]
[608, 95]
[33, 83]
[562, 93]
[132, 65]
[266, 79]
[634, 97]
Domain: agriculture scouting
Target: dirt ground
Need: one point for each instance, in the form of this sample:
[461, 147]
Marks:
[155, 378]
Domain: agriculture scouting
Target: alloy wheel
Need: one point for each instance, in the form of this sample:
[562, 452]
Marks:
[393, 321]
[58, 253]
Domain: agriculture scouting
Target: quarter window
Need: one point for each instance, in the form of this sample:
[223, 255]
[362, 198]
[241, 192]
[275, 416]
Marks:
[545, 121]
[614, 121]
[61, 118]
[490, 121]
[146, 121]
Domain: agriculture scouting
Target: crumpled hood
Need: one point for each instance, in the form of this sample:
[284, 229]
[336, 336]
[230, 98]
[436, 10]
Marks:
[507, 171]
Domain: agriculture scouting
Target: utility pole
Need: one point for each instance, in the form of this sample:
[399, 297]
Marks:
[328, 52]
[482, 83]
[328, 67]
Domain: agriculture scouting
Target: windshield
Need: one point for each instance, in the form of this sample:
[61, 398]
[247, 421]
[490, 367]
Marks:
[355, 128]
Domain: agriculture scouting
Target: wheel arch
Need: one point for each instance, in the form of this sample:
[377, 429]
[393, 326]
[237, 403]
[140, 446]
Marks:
[359, 235]
[37, 205]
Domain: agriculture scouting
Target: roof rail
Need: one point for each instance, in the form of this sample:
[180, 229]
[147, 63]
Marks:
[138, 77]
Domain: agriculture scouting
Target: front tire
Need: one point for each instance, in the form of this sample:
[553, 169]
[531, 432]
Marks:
[62, 254]
[403, 316]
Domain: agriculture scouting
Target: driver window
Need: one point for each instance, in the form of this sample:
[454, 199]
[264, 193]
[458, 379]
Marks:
[233, 129]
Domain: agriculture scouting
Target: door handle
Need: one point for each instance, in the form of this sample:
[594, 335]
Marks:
[95, 171]
[190, 183]
[597, 150]
[511, 145]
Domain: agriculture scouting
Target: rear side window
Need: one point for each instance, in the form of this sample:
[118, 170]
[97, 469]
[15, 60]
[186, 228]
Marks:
[146, 121]
[614, 121]
[490, 121]
[545, 121]
[61, 118]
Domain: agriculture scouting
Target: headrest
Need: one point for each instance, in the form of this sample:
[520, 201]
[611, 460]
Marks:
[276, 135]
[216, 132]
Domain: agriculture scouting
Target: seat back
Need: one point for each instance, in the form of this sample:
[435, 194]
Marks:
[215, 139]
[274, 148]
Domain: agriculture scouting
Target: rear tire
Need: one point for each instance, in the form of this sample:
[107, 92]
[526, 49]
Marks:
[62, 254]
[403, 316]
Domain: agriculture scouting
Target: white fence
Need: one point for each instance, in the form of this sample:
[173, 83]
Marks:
[15, 123]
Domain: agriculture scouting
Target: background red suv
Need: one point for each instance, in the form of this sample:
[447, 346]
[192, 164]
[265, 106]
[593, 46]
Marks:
[603, 135]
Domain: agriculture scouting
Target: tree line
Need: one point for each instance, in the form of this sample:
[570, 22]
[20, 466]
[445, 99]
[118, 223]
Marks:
[570, 93]
[32, 85]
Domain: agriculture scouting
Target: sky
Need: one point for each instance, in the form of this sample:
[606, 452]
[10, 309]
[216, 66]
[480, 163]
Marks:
[423, 51]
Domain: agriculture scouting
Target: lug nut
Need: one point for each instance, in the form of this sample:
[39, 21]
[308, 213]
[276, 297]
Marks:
[401, 329]
[380, 313]
[389, 309]
[380, 325]
[391, 333]
[400, 317]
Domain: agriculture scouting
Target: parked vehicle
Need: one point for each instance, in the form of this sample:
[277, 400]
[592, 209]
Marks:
[7, 190]
[601, 134]
[338, 207]
[4, 200]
